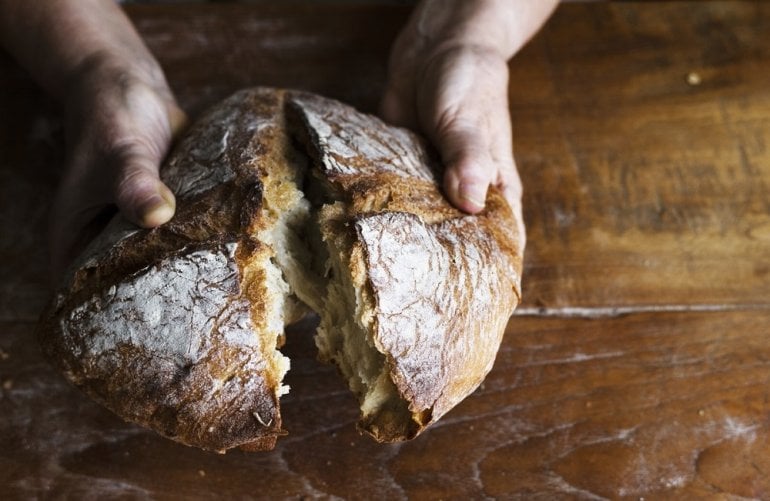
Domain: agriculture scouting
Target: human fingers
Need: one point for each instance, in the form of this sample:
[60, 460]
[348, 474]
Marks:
[139, 193]
[469, 167]
[134, 157]
[117, 141]
[463, 103]
[397, 105]
[509, 181]
[87, 198]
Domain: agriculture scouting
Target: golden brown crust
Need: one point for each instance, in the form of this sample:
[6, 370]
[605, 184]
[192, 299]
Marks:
[441, 284]
[166, 327]
[176, 328]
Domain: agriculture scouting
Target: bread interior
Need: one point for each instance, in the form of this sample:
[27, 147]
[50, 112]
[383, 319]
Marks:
[314, 248]
[346, 335]
[284, 209]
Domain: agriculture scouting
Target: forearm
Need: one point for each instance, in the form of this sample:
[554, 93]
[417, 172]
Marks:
[56, 40]
[502, 26]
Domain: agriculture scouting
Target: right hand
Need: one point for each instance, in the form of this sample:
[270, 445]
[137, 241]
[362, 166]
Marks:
[120, 122]
[120, 113]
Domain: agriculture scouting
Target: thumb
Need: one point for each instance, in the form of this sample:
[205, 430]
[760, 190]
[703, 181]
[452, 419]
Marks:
[469, 167]
[138, 191]
[81, 208]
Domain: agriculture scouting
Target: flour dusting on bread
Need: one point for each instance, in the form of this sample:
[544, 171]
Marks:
[289, 202]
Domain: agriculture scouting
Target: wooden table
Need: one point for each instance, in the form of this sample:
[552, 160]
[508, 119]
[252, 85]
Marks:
[639, 363]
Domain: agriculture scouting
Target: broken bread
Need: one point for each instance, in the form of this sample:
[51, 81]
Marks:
[288, 201]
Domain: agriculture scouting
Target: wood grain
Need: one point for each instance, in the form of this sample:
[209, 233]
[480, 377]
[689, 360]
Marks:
[646, 195]
[642, 189]
[338, 51]
[633, 406]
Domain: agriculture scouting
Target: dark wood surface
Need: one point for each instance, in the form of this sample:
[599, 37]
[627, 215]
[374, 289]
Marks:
[638, 365]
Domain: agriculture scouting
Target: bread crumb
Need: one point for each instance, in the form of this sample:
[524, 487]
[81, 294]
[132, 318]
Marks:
[701, 413]
[211, 429]
[7, 384]
[589, 405]
[4, 355]
[201, 473]
[694, 78]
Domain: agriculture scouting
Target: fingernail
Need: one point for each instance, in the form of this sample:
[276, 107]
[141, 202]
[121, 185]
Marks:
[473, 193]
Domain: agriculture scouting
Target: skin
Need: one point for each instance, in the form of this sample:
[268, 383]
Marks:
[448, 78]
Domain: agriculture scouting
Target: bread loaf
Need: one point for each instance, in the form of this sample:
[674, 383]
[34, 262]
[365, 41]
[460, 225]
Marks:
[287, 200]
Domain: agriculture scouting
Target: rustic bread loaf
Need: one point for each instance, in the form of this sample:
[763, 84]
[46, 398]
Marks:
[287, 199]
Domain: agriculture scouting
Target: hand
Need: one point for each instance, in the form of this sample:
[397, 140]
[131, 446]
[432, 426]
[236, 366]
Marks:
[119, 125]
[448, 77]
[120, 113]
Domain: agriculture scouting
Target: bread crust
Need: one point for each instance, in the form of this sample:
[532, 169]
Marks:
[177, 328]
[441, 284]
[167, 327]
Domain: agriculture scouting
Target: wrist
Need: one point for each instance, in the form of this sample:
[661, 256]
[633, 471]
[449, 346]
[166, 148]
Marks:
[498, 27]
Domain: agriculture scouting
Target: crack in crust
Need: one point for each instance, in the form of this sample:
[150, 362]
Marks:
[430, 287]
[178, 328]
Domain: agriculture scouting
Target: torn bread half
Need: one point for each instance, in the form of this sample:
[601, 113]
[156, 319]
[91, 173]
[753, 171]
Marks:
[287, 200]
